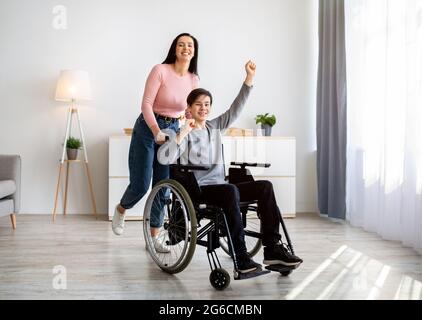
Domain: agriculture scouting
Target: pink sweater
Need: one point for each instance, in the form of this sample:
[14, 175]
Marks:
[166, 92]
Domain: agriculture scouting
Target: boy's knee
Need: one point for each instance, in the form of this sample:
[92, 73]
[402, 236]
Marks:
[266, 185]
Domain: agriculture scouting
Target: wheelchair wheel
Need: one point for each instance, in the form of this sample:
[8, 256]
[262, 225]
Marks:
[178, 232]
[253, 223]
[219, 279]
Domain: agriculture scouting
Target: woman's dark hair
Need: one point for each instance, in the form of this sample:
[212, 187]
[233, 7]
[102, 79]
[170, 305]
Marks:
[194, 94]
[171, 56]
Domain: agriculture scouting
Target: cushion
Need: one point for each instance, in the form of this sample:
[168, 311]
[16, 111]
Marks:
[6, 207]
[7, 188]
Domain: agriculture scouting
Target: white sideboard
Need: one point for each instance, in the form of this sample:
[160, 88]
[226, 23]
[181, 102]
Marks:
[118, 176]
[280, 152]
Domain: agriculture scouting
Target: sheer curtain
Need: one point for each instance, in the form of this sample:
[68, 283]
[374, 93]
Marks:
[384, 153]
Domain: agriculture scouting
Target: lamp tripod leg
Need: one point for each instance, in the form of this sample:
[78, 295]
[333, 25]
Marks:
[94, 205]
[66, 136]
[57, 192]
[66, 188]
[88, 174]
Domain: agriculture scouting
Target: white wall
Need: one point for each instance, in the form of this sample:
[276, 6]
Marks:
[118, 42]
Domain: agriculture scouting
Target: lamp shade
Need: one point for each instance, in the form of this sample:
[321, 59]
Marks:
[73, 85]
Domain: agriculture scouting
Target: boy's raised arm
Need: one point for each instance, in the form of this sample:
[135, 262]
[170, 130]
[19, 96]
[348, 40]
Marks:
[223, 121]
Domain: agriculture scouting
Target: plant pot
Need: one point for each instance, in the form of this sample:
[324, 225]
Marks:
[72, 154]
[266, 129]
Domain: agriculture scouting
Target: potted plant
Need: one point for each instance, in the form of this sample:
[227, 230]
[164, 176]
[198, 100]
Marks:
[267, 122]
[72, 146]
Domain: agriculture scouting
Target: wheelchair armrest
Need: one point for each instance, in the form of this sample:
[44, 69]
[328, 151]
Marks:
[249, 164]
[189, 167]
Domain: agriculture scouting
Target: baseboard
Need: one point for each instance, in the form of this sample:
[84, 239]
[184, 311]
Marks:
[306, 207]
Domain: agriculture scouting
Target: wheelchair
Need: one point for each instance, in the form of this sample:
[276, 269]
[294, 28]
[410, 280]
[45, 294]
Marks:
[187, 222]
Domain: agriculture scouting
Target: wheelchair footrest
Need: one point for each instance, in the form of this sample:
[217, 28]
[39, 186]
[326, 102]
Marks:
[248, 275]
[280, 267]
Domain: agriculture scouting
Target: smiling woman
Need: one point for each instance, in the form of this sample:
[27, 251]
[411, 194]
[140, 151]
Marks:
[163, 104]
[185, 49]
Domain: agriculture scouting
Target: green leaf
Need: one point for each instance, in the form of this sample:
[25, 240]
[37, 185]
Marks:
[266, 119]
[73, 143]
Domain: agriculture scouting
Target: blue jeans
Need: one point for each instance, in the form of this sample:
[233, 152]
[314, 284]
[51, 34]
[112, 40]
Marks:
[143, 165]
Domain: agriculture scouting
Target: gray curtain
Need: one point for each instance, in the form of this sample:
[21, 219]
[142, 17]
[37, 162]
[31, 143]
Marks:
[331, 110]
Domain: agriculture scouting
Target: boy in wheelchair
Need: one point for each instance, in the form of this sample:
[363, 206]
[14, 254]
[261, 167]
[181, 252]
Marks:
[199, 143]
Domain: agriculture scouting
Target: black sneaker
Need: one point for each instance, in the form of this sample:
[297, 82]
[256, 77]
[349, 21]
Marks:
[245, 264]
[280, 255]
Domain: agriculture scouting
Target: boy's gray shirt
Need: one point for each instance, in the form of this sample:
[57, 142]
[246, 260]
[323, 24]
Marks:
[204, 146]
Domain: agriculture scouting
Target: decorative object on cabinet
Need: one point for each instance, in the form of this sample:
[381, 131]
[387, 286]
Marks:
[239, 132]
[267, 122]
[128, 131]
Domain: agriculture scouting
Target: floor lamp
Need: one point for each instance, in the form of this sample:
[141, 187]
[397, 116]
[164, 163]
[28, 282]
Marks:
[73, 86]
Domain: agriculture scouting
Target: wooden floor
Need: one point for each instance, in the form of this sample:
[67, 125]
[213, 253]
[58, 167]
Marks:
[340, 262]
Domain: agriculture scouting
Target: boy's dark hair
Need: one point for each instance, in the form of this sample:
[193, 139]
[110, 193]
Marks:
[171, 56]
[194, 94]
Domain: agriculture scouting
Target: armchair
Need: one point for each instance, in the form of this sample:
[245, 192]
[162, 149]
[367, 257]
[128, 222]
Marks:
[10, 186]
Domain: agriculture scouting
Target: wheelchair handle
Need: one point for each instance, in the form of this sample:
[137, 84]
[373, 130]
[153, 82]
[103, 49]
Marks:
[249, 164]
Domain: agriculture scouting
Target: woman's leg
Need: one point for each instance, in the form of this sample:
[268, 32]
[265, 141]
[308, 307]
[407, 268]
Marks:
[141, 156]
[160, 172]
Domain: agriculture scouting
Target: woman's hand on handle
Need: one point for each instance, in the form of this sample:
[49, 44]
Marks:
[250, 68]
[160, 137]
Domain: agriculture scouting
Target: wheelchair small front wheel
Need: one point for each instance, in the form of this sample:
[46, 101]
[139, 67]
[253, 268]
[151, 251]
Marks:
[219, 279]
[170, 206]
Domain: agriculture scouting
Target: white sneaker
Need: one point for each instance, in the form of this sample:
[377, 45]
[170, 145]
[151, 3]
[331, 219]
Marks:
[159, 246]
[118, 223]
